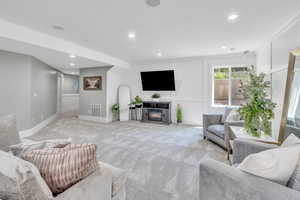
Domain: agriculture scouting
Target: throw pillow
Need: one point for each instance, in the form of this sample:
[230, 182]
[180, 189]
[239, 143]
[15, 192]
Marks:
[21, 148]
[8, 132]
[225, 115]
[233, 116]
[20, 179]
[290, 141]
[276, 165]
[63, 167]
[294, 181]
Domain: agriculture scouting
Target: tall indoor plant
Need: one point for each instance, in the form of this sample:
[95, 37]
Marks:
[258, 109]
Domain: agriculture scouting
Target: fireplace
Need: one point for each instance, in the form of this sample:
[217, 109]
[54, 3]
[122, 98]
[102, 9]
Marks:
[159, 112]
[155, 115]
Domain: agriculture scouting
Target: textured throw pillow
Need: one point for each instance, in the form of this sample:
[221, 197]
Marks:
[63, 167]
[19, 149]
[276, 165]
[21, 180]
[225, 115]
[8, 132]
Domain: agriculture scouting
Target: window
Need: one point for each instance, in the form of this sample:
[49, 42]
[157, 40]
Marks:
[226, 83]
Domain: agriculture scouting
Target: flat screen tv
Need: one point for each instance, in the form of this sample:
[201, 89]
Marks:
[158, 80]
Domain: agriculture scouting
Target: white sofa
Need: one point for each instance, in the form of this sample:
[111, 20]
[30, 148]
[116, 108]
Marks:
[107, 183]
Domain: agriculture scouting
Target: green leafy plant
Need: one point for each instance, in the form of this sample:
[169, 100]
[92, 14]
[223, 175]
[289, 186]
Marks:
[155, 96]
[115, 108]
[179, 115]
[258, 110]
[138, 100]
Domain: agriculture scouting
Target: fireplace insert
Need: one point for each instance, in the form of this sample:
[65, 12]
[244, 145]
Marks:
[156, 112]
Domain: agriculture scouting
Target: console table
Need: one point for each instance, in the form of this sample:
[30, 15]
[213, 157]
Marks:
[240, 133]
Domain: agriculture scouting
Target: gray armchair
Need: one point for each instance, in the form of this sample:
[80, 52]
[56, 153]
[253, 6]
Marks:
[219, 181]
[218, 131]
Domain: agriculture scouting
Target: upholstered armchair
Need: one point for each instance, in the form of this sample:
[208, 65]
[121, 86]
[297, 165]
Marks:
[219, 181]
[217, 130]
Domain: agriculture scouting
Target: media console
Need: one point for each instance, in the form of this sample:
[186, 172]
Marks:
[159, 112]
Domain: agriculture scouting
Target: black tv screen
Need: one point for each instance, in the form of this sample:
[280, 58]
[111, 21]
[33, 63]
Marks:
[158, 80]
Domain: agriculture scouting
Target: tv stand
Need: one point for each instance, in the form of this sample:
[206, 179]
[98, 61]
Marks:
[158, 112]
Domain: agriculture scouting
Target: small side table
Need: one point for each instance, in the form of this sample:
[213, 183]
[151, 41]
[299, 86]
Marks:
[241, 133]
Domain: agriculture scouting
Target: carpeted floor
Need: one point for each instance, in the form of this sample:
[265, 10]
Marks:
[162, 161]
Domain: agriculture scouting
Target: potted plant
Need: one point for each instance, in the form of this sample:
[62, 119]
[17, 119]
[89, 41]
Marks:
[155, 97]
[258, 110]
[132, 105]
[179, 114]
[138, 102]
[115, 110]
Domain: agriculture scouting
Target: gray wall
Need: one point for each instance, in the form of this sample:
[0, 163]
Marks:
[28, 89]
[70, 84]
[87, 97]
[15, 87]
[43, 91]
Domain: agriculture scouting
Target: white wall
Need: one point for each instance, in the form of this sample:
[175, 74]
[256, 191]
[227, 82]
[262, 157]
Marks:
[117, 76]
[193, 79]
[272, 58]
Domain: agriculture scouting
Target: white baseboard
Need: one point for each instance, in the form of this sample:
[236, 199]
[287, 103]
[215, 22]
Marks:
[38, 127]
[93, 118]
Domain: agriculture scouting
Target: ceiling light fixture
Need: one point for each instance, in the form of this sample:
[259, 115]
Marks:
[131, 35]
[233, 17]
[57, 27]
[224, 47]
[72, 64]
[153, 3]
[72, 56]
[159, 54]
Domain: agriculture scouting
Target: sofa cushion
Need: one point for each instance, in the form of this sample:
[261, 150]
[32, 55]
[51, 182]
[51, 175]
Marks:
[19, 149]
[63, 167]
[294, 181]
[218, 130]
[8, 132]
[119, 177]
[21, 180]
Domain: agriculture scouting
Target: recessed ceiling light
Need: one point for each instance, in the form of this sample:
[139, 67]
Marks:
[72, 56]
[57, 27]
[224, 47]
[233, 17]
[72, 64]
[131, 35]
[159, 54]
[153, 3]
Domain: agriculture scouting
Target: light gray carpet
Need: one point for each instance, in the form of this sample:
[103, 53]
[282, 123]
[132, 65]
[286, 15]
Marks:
[162, 161]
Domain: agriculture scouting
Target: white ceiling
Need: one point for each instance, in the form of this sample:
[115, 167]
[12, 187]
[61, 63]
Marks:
[57, 59]
[178, 28]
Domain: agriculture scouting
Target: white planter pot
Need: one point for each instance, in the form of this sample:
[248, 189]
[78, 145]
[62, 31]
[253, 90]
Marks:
[156, 99]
